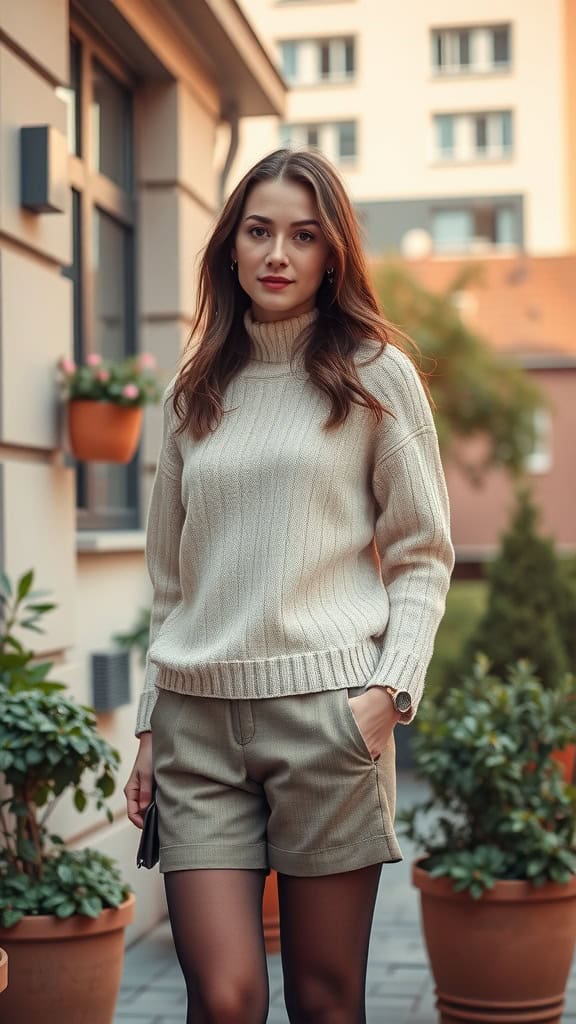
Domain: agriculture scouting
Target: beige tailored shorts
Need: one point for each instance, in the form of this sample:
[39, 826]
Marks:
[281, 782]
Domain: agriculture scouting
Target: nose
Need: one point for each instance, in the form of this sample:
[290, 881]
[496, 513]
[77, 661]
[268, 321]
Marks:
[276, 255]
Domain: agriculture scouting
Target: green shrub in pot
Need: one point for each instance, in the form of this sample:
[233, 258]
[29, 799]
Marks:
[498, 807]
[49, 746]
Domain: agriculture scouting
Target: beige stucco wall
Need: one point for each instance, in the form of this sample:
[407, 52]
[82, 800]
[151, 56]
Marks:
[394, 96]
[99, 581]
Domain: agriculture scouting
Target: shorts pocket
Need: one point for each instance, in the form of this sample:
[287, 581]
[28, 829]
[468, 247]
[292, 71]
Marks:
[354, 729]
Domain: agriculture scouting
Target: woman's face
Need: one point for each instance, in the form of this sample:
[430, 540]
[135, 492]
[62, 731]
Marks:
[281, 251]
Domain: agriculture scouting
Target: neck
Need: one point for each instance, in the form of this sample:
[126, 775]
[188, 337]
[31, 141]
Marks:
[276, 342]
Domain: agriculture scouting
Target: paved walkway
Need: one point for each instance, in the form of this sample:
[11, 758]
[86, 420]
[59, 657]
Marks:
[399, 985]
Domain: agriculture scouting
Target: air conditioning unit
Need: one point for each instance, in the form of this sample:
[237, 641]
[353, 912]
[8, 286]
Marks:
[110, 679]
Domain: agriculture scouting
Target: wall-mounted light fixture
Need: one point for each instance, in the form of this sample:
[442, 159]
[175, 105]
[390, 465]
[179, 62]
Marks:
[44, 169]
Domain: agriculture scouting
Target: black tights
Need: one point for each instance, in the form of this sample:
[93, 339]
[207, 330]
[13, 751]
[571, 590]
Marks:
[325, 925]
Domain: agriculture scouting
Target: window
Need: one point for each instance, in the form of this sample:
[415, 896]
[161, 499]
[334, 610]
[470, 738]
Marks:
[462, 137]
[492, 134]
[478, 50]
[289, 61]
[100, 141]
[337, 139]
[482, 225]
[445, 135]
[539, 459]
[312, 61]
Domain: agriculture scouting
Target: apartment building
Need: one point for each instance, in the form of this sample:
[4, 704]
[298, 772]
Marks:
[453, 124]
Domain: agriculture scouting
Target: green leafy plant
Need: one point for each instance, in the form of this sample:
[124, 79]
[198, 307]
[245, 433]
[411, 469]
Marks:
[134, 381]
[478, 394]
[138, 637]
[49, 746]
[498, 807]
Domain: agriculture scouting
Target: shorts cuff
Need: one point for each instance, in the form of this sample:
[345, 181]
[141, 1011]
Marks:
[212, 855]
[336, 859]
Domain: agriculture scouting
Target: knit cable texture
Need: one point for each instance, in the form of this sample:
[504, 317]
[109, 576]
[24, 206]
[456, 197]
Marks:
[287, 559]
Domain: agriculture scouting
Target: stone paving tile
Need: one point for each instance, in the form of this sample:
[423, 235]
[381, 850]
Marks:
[399, 987]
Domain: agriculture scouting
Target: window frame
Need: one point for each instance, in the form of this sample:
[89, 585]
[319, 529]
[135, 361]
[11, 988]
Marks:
[307, 60]
[97, 192]
[476, 212]
[294, 135]
[480, 40]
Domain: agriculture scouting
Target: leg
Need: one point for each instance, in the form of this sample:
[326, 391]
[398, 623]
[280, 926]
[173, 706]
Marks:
[325, 924]
[216, 918]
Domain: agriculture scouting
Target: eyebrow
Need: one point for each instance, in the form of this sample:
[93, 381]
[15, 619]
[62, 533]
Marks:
[294, 224]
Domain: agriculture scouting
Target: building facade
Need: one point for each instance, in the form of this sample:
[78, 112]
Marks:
[136, 106]
[453, 124]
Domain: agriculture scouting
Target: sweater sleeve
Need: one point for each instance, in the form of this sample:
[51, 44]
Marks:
[163, 532]
[412, 535]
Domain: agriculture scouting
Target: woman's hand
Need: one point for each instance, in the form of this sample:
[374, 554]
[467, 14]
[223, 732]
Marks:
[138, 789]
[375, 717]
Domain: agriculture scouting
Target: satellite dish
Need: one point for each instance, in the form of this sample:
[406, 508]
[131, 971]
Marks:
[416, 244]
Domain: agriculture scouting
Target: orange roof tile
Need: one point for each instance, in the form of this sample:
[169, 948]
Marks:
[524, 305]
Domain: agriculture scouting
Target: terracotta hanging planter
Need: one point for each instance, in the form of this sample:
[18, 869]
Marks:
[503, 958]
[65, 971]
[271, 914]
[103, 431]
[3, 969]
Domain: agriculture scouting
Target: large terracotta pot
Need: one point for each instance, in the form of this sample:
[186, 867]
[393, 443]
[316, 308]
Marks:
[503, 958]
[103, 431]
[65, 972]
[271, 914]
[3, 969]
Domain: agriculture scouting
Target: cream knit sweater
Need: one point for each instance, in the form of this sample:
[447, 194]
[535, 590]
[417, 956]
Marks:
[262, 537]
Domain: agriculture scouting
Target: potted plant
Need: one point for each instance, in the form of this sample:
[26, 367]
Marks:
[105, 404]
[62, 911]
[497, 880]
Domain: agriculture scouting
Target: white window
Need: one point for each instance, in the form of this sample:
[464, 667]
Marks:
[478, 49]
[289, 61]
[312, 61]
[445, 124]
[466, 229]
[492, 134]
[481, 136]
[337, 139]
[539, 459]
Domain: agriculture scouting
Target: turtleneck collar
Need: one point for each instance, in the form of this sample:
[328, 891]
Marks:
[275, 342]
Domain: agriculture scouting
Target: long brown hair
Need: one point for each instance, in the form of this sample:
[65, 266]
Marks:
[348, 308]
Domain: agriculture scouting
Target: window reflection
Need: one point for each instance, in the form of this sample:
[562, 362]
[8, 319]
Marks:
[111, 116]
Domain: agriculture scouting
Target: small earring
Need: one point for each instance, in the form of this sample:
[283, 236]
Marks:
[330, 275]
[233, 266]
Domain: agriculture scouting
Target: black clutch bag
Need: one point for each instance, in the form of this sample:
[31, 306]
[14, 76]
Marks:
[149, 845]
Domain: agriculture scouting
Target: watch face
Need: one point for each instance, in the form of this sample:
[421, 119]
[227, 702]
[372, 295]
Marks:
[403, 700]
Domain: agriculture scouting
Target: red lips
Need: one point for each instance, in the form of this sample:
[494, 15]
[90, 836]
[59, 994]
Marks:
[271, 279]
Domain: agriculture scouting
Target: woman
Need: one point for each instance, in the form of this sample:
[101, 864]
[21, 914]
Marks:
[298, 545]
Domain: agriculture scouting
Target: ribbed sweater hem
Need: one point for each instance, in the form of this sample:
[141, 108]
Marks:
[283, 676]
[276, 677]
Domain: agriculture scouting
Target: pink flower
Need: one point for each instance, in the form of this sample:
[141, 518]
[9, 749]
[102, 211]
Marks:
[130, 391]
[68, 366]
[103, 376]
[147, 361]
[93, 359]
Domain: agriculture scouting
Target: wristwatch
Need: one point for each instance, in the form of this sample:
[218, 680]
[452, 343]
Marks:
[401, 699]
